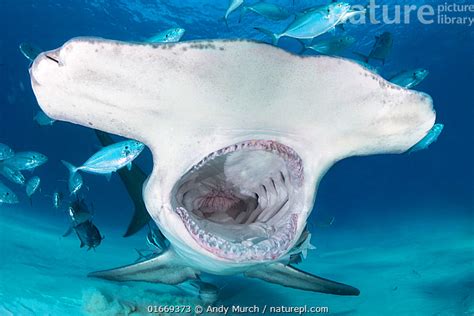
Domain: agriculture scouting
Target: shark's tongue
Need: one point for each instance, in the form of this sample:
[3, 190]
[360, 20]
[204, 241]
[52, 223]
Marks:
[242, 202]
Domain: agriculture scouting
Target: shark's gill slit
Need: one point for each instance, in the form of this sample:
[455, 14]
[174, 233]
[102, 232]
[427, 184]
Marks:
[242, 202]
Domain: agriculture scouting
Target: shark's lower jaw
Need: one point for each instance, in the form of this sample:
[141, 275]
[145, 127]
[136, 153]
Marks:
[242, 203]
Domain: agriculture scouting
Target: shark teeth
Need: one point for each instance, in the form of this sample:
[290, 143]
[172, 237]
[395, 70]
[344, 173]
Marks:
[271, 248]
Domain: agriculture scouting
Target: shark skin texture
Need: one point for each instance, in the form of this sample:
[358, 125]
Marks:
[241, 134]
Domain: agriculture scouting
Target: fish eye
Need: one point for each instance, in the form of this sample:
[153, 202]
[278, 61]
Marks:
[126, 147]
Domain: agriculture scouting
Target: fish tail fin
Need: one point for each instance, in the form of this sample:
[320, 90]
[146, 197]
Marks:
[365, 58]
[75, 179]
[275, 37]
[70, 167]
[304, 47]
[140, 255]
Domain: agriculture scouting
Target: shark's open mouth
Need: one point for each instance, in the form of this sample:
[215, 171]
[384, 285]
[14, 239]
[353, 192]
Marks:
[242, 202]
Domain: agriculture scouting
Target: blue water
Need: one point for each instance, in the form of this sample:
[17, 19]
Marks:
[379, 199]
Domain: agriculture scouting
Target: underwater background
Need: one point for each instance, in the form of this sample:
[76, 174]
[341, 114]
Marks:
[403, 229]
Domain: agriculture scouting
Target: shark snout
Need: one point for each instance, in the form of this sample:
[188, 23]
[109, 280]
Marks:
[43, 65]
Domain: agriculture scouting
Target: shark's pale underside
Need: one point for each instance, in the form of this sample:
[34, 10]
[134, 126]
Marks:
[241, 135]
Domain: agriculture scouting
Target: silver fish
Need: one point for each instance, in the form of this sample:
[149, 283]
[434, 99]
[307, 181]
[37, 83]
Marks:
[88, 234]
[5, 152]
[6, 195]
[369, 67]
[79, 211]
[350, 14]
[107, 160]
[32, 186]
[81, 223]
[382, 47]
[157, 244]
[233, 5]
[26, 160]
[172, 35]
[409, 79]
[312, 22]
[333, 45]
[30, 51]
[430, 138]
[57, 199]
[268, 10]
[75, 181]
[147, 254]
[133, 181]
[156, 240]
[42, 119]
[14, 176]
[207, 292]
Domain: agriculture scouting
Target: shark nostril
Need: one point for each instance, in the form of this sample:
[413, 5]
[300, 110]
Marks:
[53, 59]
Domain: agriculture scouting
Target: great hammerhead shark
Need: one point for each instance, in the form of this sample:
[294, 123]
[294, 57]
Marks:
[241, 134]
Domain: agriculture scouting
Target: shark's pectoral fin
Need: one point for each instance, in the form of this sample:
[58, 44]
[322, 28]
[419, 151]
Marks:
[289, 276]
[166, 268]
[140, 218]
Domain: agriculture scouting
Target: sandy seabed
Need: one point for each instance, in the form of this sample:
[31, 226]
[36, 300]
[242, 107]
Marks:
[406, 268]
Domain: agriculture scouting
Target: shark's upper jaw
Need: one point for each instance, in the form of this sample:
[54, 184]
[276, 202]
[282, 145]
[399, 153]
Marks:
[242, 202]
